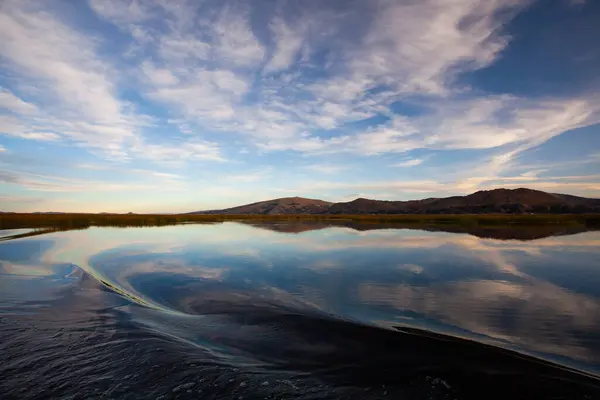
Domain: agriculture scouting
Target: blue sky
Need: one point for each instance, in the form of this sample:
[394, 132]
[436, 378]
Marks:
[170, 106]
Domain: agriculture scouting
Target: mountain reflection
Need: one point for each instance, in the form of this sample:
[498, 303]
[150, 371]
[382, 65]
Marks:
[527, 232]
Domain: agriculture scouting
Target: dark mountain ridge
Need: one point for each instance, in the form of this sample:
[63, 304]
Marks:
[503, 201]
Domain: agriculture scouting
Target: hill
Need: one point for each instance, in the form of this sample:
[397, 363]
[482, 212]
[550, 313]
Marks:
[285, 205]
[503, 201]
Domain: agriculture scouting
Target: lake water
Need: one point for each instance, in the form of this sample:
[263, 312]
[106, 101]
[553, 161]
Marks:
[299, 311]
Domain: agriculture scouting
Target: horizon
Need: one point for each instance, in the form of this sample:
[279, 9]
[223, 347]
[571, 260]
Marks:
[153, 106]
[259, 201]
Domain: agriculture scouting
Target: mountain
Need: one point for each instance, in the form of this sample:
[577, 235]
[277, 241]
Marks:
[286, 205]
[505, 201]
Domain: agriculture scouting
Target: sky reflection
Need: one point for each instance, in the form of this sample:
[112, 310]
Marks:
[539, 297]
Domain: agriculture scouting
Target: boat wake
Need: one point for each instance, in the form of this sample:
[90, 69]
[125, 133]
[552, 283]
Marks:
[119, 337]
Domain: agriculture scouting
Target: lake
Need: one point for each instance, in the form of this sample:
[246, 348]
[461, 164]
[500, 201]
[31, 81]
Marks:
[299, 310]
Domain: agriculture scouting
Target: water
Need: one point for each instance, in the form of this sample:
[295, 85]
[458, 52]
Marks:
[299, 311]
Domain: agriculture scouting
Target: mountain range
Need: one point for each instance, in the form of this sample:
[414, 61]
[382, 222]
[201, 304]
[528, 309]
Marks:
[504, 201]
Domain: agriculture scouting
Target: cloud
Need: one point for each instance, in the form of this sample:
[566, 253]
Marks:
[409, 163]
[233, 37]
[248, 176]
[159, 76]
[50, 183]
[194, 82]
[124, 12]
[413, 268]
[207, 72]
[288, 43]
[15, 127]
[435, 41]
[158, 174]
[125, 169]
[20, 199]
[403, 189]
[173, 154]
[12, 103]
[48, 136]
[76, 84]
[326, 168]
[60, 57]
[209, 95]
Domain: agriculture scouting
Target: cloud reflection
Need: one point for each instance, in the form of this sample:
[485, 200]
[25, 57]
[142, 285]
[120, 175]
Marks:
[521, 294]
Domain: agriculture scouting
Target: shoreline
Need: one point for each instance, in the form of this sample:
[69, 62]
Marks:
[82, 220]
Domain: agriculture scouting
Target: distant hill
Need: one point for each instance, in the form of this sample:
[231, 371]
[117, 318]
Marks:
[507, 201]
[504, 201]
[286, 205]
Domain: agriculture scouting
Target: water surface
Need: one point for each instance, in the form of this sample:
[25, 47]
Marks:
[284, 310]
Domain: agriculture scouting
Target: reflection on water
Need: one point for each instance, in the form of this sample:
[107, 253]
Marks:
[11, 233]
[299, 311]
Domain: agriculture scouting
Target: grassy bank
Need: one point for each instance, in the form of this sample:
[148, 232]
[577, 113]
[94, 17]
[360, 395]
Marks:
[71, 221]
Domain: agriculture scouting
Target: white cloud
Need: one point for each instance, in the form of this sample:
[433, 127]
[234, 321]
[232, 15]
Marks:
[183, 48]
[123, 11]
[248, 177]
[61, 63]
[126, 169]
[158, 174]
[12, 103]
[15, 127]
[318, 82]
[288, 42]
[159, 76]
[209, 95]
[234, 40]
[403, 189]
[326, 168]
[408, 163]
[48, 183]
[173, 154]
[434, 40]
[42, 46]
[207, 69]
[48, 136]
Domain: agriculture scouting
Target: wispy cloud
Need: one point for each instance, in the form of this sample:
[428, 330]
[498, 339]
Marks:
[48, 183]
[186, 86]
[288, 43]
[76, 84]
[249, 176]
[585, 185]
[125, 169]
[12, 103]
[409, 163]
[20, 199]
[173, 154]
[207, 72]
[326, 168]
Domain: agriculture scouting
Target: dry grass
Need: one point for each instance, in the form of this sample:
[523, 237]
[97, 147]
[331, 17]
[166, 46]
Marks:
[73, 221]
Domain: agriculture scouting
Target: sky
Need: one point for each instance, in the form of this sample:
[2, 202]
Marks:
[177, 106]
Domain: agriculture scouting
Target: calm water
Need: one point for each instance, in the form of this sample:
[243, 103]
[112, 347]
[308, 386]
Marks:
[298, 311]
